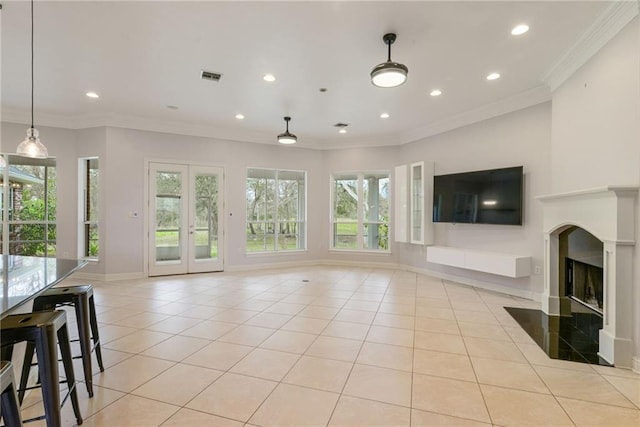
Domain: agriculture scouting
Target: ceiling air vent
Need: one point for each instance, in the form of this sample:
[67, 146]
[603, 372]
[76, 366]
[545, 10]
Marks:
[341, 125]
[211, 76]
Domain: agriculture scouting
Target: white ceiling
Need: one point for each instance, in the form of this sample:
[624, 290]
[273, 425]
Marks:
[143, 56]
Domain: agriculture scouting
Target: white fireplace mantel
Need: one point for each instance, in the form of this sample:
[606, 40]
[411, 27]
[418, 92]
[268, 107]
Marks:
[608, 213]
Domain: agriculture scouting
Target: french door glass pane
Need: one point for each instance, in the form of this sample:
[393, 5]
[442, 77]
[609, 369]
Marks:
[168, 216]
[206, 221]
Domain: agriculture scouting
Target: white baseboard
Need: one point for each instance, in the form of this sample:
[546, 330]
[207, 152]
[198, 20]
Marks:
[362, 264]
[108, 277]
[269, 266]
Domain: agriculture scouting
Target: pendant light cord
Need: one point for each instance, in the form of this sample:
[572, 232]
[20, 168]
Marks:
[31, 64]
[389, 50]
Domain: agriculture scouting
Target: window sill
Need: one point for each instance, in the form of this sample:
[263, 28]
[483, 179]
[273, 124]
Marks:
[361, 252]
[276, 253]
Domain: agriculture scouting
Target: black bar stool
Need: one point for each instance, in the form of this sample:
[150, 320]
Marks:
[40, 330]
[81, 298]
[9, 406]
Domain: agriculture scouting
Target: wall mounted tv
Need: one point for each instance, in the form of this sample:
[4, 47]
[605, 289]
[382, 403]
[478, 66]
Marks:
[480, 197]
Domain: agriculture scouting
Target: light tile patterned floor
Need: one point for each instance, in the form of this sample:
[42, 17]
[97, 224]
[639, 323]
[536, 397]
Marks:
[332, 346]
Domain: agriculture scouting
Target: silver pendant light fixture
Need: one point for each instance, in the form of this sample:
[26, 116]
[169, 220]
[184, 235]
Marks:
[31, 146]
[389, 73]
[287, 137]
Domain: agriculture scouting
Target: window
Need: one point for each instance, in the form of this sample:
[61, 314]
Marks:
[276, 210]
[360, 213]
[28, 206]
[89, 192]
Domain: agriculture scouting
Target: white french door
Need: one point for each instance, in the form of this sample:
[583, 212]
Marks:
[185, 219]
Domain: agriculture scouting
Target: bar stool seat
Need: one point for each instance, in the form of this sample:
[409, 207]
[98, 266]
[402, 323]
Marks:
[9, 406]
[81, 298]
[40, 330]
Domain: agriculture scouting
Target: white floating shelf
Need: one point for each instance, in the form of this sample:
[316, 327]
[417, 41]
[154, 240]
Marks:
[497, 263]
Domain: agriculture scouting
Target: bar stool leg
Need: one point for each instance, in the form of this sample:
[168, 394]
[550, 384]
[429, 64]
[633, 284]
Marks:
[67, 360]
[26, 368]
[48, 366]
[11, 409]
[94, 332]
[82, 319]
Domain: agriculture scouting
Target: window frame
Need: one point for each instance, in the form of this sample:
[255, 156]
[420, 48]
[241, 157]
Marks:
[84, 223]
[361, 221]
[275, 220]
[9, 222]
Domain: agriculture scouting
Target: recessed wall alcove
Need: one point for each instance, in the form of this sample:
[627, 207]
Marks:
[605, 215]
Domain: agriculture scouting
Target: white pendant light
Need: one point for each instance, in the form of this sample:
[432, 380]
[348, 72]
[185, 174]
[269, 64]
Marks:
[31, 146]
[287, 137]
[389, 73]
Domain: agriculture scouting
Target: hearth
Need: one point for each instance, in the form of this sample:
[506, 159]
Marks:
[573, 337]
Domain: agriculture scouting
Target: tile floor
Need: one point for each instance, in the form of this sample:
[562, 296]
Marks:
[349, 347]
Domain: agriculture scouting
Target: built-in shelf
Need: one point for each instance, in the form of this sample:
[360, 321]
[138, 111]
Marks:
[417, 203]
[413, 200]
[487, 262]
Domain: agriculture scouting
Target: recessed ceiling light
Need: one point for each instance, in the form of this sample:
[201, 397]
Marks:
[518, 30]
[240, 116]
[269, 78]
[342, 131]
[384, 115]
[92, 95]
[436, 92]
[493, 76]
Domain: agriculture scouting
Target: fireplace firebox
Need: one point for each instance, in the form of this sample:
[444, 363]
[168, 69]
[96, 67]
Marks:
[584, 284]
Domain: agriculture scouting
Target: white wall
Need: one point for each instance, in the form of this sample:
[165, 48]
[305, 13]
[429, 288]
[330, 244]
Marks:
[596, 119]
[596, 131]
[380, 159]
[124, 167]
[521, 138]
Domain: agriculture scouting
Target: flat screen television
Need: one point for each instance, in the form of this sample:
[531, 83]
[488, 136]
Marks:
[480, 197]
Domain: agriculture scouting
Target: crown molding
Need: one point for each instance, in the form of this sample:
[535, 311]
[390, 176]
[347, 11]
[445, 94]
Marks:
[144, 124]
[526, 99]
[189, 129]
[605, 28]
